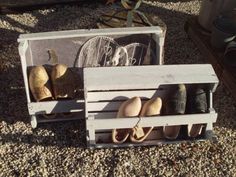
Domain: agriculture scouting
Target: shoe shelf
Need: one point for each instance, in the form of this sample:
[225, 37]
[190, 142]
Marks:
[34, 51]
[106, 88]
[202, 40]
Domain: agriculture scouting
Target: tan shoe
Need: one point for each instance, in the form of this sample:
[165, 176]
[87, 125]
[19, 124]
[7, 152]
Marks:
[150, 108]
[130, 108]
[39, 84]
[63, 82]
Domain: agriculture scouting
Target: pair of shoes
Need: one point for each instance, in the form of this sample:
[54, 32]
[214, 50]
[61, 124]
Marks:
[175, 105]
[133, 108]
[63, 85]
[196, 103]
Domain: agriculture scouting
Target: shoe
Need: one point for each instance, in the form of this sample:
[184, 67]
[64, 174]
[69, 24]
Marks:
[150, 108]
[129, 108]
[175, 105]
[39, 84]
[197, 103]
[63, 82]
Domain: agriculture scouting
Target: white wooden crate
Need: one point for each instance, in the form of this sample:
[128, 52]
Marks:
[106, 88]
[33, 51]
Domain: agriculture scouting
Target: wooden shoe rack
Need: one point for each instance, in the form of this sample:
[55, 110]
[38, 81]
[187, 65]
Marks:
[104, 93]
[105, 88]
[33, 50]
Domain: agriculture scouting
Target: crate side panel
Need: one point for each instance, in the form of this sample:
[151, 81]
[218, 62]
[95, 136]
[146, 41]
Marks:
[90, 33]
[25, 57]
[103, 106]
[103, 115]
[49, 107]
[67, 49]
[155, 121]
[124, 95]
[105, 137]
[146, 77]
[61, 117]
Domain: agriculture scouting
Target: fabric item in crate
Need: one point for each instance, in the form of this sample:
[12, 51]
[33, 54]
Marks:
[196, 103]
[175, 105]
[105, 51]
[150, 108]
[97, 51]
[39, 84]
[129, 108]
[63, 82]
[139, 54]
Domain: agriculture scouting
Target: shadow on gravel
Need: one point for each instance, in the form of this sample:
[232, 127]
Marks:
[62, 134]
[12, 94]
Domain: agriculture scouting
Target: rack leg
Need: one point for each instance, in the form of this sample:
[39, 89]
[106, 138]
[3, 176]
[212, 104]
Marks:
[33, 121]
[209, 133]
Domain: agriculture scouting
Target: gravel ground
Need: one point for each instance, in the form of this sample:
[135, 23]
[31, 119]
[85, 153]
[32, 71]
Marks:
[59, 149]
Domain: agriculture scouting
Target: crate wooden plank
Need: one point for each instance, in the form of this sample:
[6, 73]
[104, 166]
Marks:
[23, 46]
[60, 118]
[123, 95]
[105, 137]
[145, 143]
[156, 121]
[202, 40]
[90, 32]
[102, 115]
[146, 77]
[103, 106]
[48, 107]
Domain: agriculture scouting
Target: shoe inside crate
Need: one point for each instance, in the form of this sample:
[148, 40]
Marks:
[164, 92]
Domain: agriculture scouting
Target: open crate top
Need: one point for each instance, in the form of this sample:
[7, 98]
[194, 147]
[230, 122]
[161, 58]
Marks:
[106, 88]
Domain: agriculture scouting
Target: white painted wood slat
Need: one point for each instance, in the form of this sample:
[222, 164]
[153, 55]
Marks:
[103, 106]
[123, 95]
[146, 77]
[155, 121]
[47, 107]
[145, 143]
[90, 32]
[106, 136]
[103, 115]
